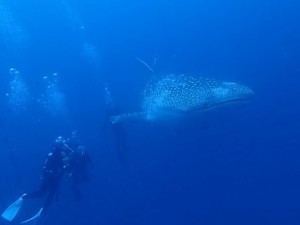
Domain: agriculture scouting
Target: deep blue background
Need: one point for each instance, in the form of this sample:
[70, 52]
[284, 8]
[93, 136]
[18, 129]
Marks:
[235, 165]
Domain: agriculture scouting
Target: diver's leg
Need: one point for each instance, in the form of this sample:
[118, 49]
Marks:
[52, 192]
[40, 192]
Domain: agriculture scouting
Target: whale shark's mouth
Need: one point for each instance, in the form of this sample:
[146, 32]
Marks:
[212, 106]
[236, 100]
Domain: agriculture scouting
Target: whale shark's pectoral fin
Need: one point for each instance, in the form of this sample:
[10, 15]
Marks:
[133, 117]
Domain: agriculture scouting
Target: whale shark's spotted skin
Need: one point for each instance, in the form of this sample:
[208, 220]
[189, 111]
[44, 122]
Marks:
[184, 93]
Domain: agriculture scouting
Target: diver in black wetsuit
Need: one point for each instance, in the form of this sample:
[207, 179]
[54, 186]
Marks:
[53, 171]
[51, 176]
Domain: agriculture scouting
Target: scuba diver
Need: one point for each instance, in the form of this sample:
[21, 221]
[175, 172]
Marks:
[117, 128]
[77, 164]
[52, 173]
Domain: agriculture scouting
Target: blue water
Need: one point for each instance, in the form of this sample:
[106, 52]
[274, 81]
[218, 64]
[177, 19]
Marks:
[234, 165]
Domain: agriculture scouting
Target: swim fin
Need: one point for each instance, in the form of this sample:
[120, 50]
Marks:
[12, 210]
[34, 218]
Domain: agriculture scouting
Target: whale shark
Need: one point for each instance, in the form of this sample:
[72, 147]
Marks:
[180, 94]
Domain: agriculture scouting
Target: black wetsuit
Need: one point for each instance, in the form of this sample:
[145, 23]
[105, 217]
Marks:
[51, 177]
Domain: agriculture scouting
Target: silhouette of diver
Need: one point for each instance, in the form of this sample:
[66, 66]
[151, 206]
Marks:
[52, 173]
[117, 128]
